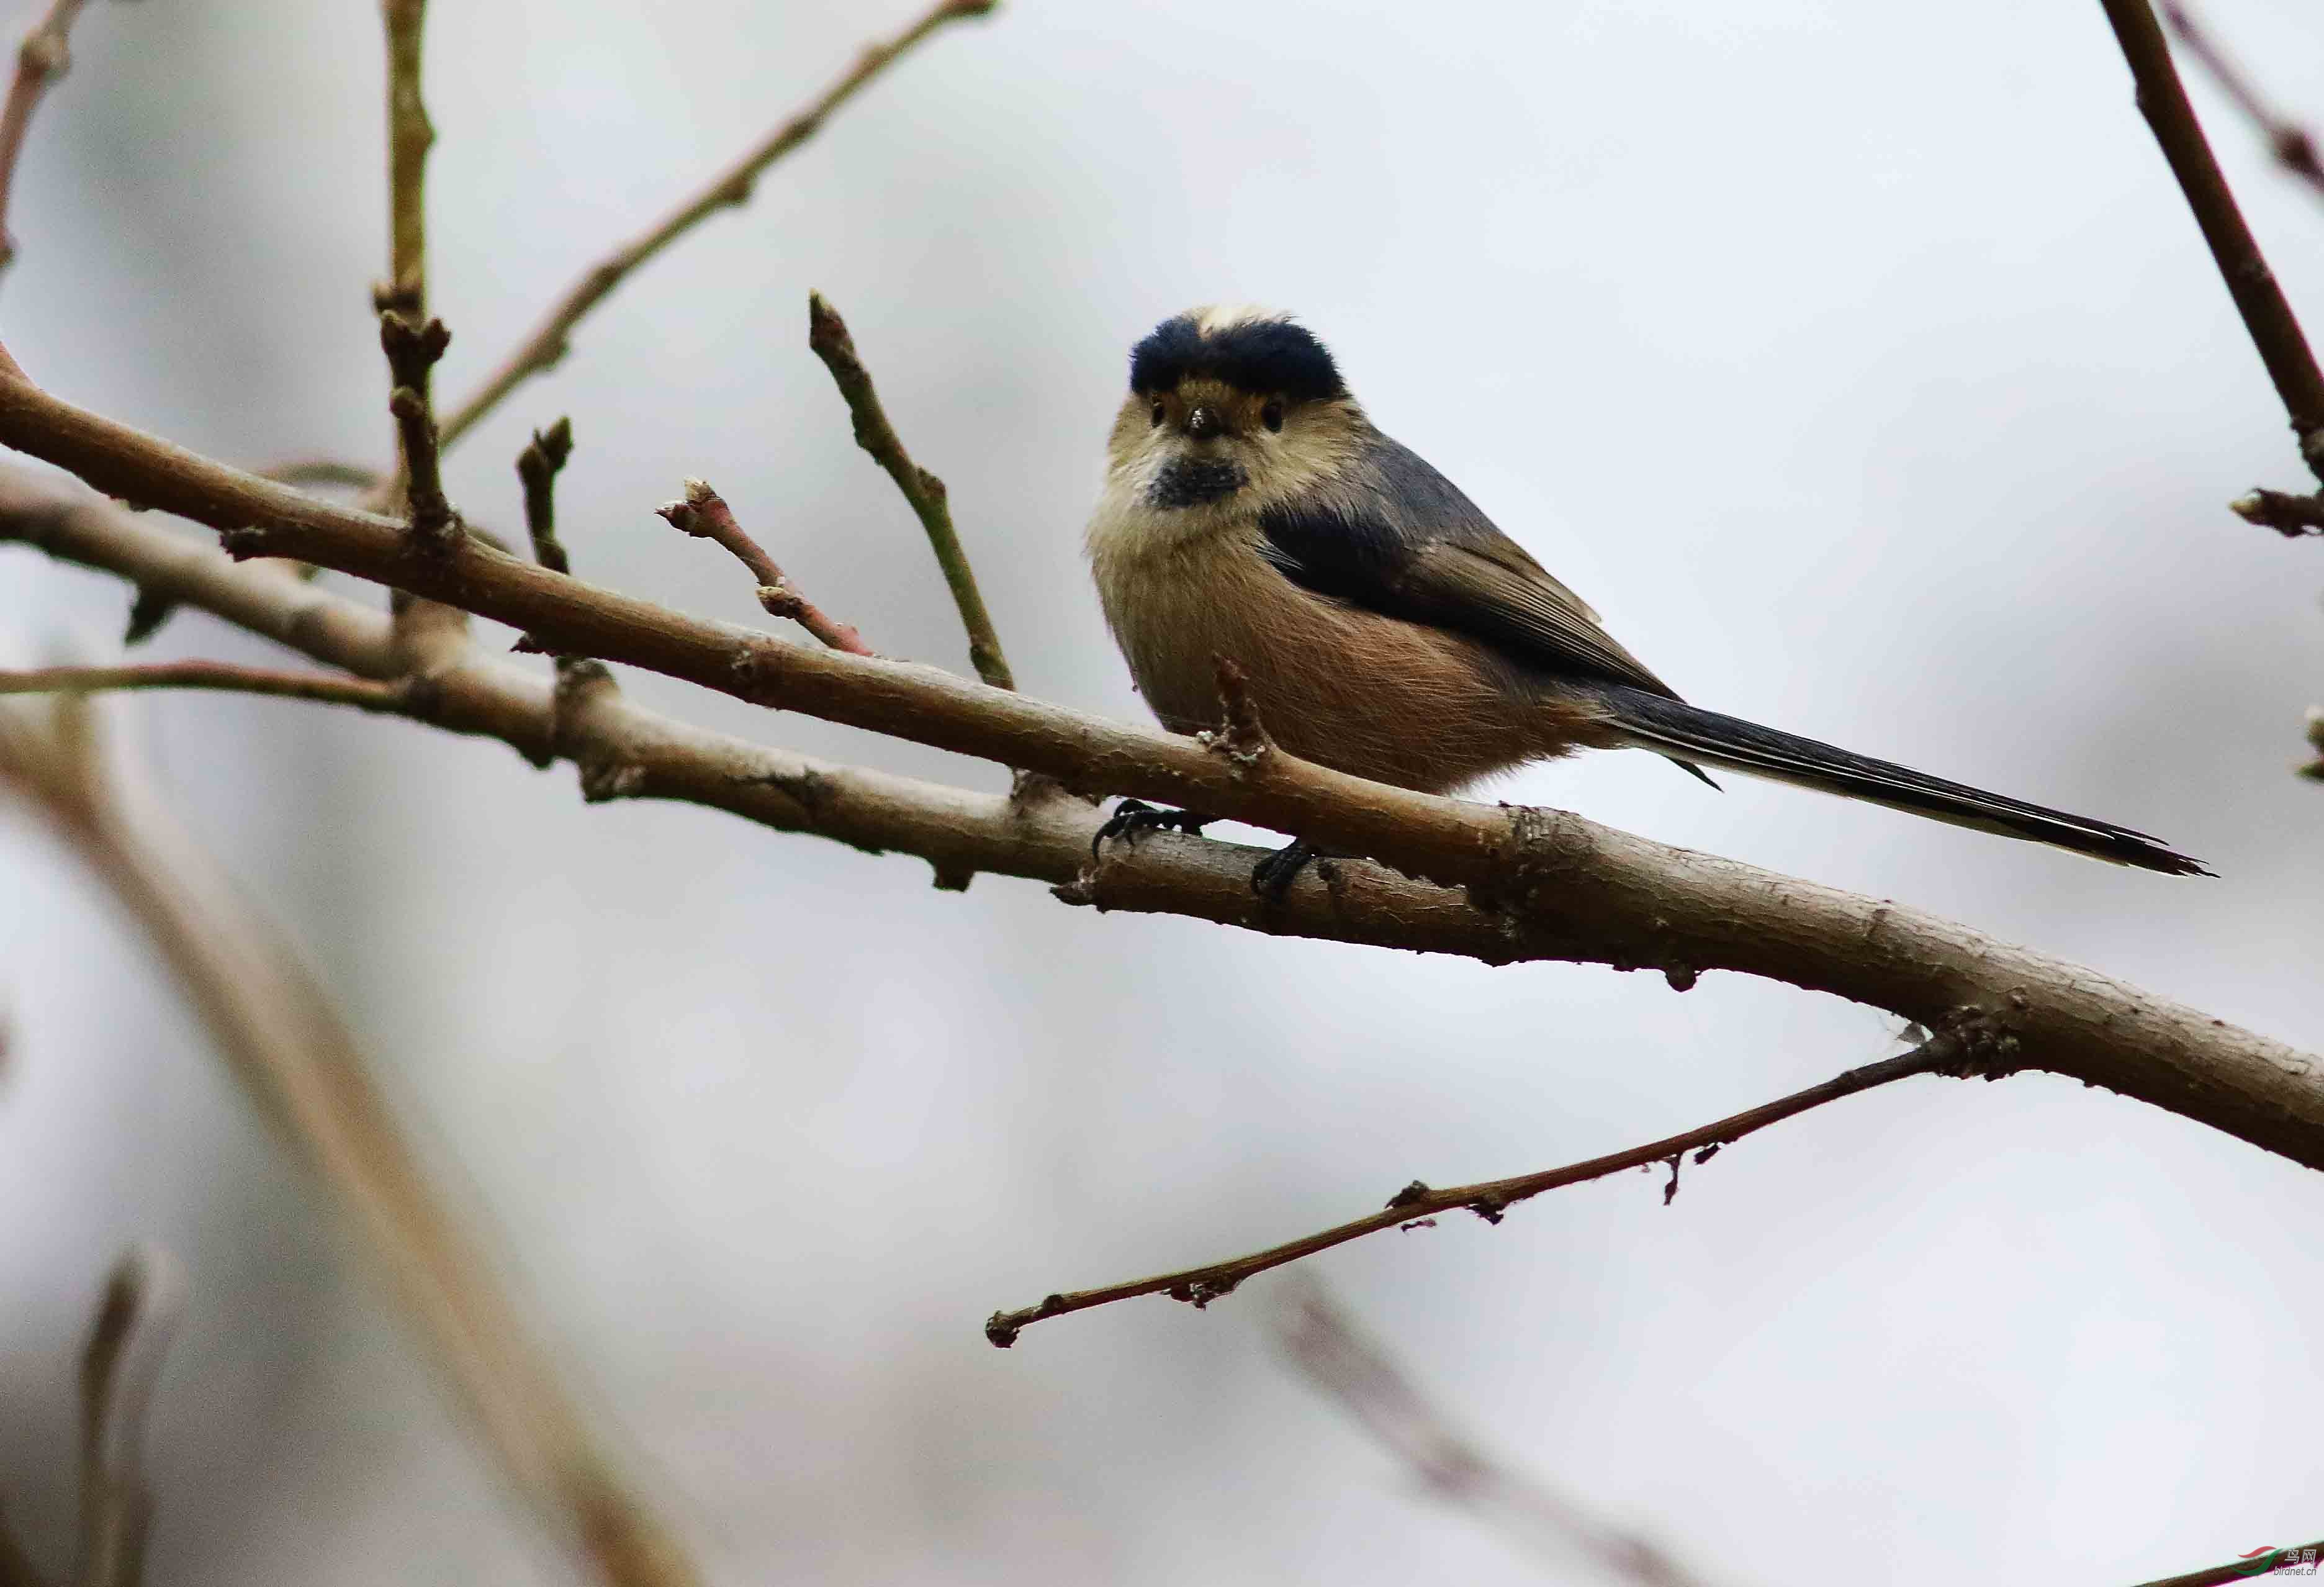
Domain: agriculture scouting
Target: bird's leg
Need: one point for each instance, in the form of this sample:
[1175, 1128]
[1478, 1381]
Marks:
[1272, 877]
[1132, 817]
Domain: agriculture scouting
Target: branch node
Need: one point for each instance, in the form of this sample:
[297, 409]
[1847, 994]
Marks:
[412, 352]
[703, 513]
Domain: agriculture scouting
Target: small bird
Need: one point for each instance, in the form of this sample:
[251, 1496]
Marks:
[1387, 628]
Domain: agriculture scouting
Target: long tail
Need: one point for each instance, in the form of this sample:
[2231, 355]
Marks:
[1685, 734]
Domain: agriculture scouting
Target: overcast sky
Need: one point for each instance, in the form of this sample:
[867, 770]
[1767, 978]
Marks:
[1860, 365]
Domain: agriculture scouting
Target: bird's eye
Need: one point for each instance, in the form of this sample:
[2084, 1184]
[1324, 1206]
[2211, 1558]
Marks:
[1157, 415]
[1271, 415]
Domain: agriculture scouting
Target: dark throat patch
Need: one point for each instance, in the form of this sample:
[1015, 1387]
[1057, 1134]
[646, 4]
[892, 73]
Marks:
[1190, 482]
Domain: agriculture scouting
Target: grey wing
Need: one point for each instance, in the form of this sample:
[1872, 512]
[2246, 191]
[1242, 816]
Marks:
[1404, 541]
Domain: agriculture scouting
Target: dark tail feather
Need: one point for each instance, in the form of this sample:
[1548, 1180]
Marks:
[1686, 735]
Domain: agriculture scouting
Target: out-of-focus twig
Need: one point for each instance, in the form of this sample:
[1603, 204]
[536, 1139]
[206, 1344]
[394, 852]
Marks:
[363, 693]
[827, 334]
[1418, 1206]
[2287, 140]
[2267, 315]
[538, 466]
[547, 342]
[1332, 1353]
[2314, 769]
[308, 472]
[703, 513]
[118, 1369]
[283, 1038]
[45, 56]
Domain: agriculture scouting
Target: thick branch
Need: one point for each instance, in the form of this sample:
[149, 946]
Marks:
[703, 513]
[2267, 316]
[547, 343]
[827, 335]
[1418, 1206]
[281, 1037]
[43, 57]
[392, 699]
[1556, 886]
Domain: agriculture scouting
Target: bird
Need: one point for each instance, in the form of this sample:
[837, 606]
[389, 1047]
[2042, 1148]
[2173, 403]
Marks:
[1251, 511]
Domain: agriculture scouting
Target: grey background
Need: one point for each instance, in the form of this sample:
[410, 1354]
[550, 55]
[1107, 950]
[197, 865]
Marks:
[1859, 362]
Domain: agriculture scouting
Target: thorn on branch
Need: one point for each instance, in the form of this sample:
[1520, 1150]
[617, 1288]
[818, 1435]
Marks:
[827, 337]
[2291, 516]
[703, 513]
[412, 353]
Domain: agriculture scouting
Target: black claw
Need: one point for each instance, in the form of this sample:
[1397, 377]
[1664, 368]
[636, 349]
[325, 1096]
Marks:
[1132, 817]
[1272, 877]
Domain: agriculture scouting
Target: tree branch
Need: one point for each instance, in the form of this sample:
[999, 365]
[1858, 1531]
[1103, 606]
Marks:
[413, 351]
[41, 60]
[1550, 884]
[547, 342]
[1323, 1342]
[2244, 1570]
[119, 1367]
[393, 699]
[281, 1037]
[410, 136]
[828, 334]
[703, 513]
[2267, 316]
[1416, 1205]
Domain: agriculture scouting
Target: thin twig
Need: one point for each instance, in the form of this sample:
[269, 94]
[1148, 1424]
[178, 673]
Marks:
[2289, 515]
[2267, 316]
[547, 342]
[412, 350]
[1418, 1206]
[1568, 889]
[703, 513]
[1329, 1349]
[142, 1301]
[44, 58]
[537, 469]
[283, 1038]
[409, 136]
[307, 472]
[392, 699]
[827, 334]
[2287, 140]
[2266, 1562]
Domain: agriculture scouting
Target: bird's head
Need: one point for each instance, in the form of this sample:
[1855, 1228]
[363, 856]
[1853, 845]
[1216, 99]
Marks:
[1224, 400]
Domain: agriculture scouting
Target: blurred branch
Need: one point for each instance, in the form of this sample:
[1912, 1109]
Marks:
[144, 1299]
[538, 466]
[2267, 316]
[363, 693]
[548, 340]
[2314, 769]
[827, 334]
[702, 512]
[2287, 140]
[2244, 1570]
[41, 60]
[283, 1040]
[1976, 1048]
[1333, 1354]
[308, 472]
[1539, 884]
[410, 136]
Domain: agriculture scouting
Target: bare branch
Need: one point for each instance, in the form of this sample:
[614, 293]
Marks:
[827, 335]
[537, 469]
[2267, 316]
[2287, 140]
[409, 136]
[41, 60]
[281, 1037]
[703, 513]
[393, 699]
[2244, 1570]
[1556, 886]
[123, 1361]
[1324, 1344]
[1416, 1205]
[2291, 516]
[412, 352]
[547, 342]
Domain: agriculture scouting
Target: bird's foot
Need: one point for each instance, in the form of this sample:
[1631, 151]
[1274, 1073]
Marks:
[1132, 817]
[1272, 877]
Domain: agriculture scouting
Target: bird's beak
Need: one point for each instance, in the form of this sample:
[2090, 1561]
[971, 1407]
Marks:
[1202, 422]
